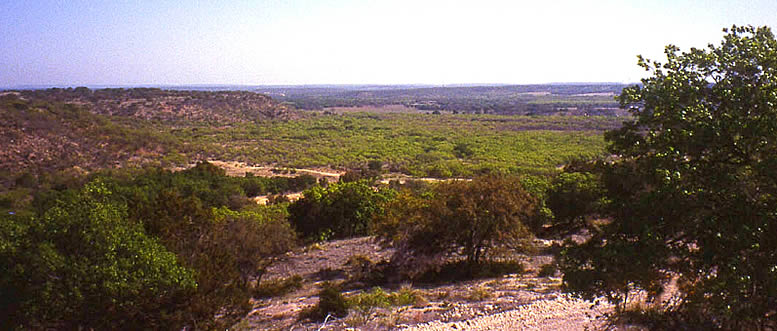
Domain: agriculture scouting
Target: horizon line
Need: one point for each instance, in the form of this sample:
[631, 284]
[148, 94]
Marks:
[317, 85]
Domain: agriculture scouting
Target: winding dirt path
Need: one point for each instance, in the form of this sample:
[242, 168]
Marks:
[239, 169]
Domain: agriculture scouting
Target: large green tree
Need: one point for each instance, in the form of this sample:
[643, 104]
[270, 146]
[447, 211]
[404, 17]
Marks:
[573, 197]
[694, 192]
[82, 264]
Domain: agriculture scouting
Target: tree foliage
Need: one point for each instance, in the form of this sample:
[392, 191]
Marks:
[465, 218]
[82, 264]
[339, 210]
[694, 193]
[190, 213]
[573, 197]
[140, 220]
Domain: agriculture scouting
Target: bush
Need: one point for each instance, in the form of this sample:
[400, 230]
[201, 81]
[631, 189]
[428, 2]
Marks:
[548, 270]
[379, 298]
[228, 250]
[250, 239]
[459, 218]
[340, 210]
[479, 293]
[573, 198]
[462, 271]
[330, 302]
[278, 287]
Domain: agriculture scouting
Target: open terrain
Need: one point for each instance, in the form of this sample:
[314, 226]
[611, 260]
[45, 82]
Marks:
[57, 140]
[57, 129]
[412, 207]
[519, 301]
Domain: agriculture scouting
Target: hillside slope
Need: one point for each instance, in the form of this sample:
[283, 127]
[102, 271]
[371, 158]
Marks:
[168, 105]
[46, 130]
[41, 136]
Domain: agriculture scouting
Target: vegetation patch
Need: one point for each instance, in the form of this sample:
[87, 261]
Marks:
[548, 270]
[458, 218]
[339, 210]
[463, 270]
[331, 302]
[379, 298]
[685, 199]
[62, 132]
[278, 287]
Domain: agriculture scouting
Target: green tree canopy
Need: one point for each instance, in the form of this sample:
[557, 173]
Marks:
[460, 217]
[573, 197]
[694, 192]
[228, 250]
[83, 265]
[340, 210]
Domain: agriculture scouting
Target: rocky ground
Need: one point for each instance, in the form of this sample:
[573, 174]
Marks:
[524, 301]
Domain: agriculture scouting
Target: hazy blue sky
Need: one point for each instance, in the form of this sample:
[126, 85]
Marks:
[74, 42]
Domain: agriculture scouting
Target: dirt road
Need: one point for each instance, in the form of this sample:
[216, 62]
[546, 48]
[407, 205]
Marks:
[239, 169]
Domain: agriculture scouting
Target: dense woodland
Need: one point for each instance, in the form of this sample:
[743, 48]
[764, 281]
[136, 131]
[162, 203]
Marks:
[683, 192]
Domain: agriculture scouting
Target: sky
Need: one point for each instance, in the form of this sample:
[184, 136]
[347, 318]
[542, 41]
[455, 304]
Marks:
[273, 42]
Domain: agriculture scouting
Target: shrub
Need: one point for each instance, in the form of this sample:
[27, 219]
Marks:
[379, 298]
[228, 250]
[344, 209]
[479, 293]
[250, 239]
[573, 198]
[548, 270]
[330, 302]
[462, 270]
[464, 218]
[278, 287]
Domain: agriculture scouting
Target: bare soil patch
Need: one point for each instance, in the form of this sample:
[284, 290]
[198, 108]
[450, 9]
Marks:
[512, 302]
[239, 169]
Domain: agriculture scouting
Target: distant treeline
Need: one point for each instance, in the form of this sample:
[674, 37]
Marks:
[573, 99]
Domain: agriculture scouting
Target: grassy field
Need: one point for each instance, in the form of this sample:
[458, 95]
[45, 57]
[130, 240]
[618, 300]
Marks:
[416, 144]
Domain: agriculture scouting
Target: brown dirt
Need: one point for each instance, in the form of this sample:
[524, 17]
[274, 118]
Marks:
[511, 302]
[239, 169]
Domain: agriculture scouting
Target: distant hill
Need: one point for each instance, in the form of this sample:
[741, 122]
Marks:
[54, 129]
[46, 136]
[247, 102]
[168, 105]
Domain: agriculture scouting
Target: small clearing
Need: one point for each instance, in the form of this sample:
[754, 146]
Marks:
[239, 169]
